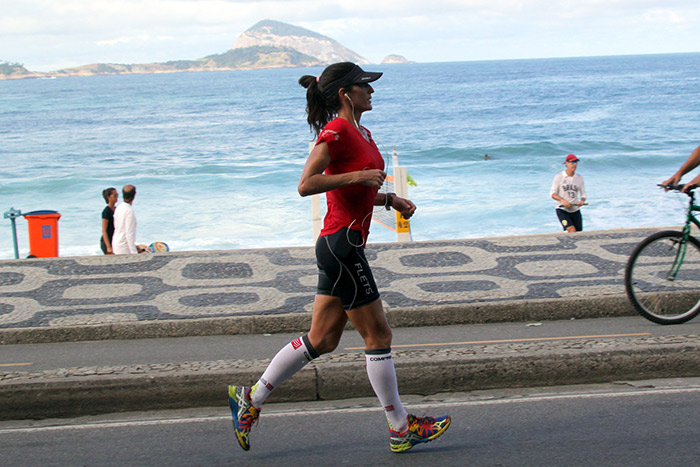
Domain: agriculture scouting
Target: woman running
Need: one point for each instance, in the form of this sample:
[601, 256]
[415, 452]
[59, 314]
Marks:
[348, 167]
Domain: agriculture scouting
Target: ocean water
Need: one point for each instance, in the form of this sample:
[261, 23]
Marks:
[216, 156]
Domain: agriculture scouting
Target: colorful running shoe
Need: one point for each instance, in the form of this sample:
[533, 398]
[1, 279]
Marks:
[244, 414]
[420, 430]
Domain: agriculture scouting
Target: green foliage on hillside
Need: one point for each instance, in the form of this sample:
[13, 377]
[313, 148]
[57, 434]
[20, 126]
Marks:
[105, 68]
[250, 56]
[7, 68]
[183, 64]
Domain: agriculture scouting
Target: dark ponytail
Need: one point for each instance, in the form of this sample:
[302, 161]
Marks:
[322, 104]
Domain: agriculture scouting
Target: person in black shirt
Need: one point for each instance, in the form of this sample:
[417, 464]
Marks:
[111, 196]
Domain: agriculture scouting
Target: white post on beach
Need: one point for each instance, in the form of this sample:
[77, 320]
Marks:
[403, 226]
[315, 206]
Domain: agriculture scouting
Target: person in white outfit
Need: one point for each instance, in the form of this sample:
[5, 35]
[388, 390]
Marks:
[124, 240]
[569, 192]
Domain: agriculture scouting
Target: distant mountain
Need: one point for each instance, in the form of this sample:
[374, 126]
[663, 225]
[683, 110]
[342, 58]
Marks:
[276, 34]
[268, 44]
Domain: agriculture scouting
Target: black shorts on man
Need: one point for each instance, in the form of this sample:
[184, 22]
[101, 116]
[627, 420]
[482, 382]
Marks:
[568, 219]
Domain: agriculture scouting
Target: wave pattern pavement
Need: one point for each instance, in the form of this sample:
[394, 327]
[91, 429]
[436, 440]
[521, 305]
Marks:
[460, 277]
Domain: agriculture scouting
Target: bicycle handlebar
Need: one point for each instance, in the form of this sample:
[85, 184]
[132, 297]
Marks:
[678, 187]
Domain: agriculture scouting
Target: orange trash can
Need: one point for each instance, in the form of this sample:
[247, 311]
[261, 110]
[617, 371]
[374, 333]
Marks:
[43, 233]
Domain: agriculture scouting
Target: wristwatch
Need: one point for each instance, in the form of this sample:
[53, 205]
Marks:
[388, 201]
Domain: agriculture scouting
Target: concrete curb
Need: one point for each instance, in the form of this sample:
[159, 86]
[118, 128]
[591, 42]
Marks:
[95, 390]
[434, 315]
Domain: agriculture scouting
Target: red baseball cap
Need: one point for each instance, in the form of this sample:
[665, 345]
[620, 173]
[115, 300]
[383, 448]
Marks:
[571, 158]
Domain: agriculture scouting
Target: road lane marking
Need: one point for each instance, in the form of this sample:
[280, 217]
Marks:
[14, 364]
[308, 411]
[510, 341]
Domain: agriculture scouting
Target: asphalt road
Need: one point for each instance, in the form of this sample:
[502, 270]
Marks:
[26, 357]
[648, 423]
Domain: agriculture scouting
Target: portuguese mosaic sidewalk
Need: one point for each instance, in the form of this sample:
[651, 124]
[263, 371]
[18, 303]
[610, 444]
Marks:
[506, 279]
[104, 292]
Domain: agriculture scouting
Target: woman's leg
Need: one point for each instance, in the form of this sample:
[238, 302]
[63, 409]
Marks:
[371, 323]
[405, 430]
[327, 323]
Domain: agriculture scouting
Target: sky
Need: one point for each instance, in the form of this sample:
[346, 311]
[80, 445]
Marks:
[47, 35]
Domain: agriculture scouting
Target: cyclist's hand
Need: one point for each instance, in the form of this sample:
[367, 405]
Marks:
[694, 183]
[673, 181]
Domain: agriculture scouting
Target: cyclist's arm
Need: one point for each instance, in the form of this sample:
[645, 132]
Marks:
[692, 162]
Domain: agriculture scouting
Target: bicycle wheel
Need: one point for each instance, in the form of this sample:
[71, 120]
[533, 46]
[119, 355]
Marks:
[651, 287]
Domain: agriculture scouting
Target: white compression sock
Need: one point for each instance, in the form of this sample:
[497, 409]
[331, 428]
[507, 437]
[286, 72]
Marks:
[290, 359]
[382, 377]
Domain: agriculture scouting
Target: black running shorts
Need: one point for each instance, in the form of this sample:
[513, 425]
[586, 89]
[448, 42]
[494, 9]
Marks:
[343, 270]
[568, 219]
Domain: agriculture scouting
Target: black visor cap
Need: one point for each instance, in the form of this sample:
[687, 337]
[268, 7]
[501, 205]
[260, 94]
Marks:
[356, 76]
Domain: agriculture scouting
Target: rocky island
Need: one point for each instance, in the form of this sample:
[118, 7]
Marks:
[396, 59]
[268, 44]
